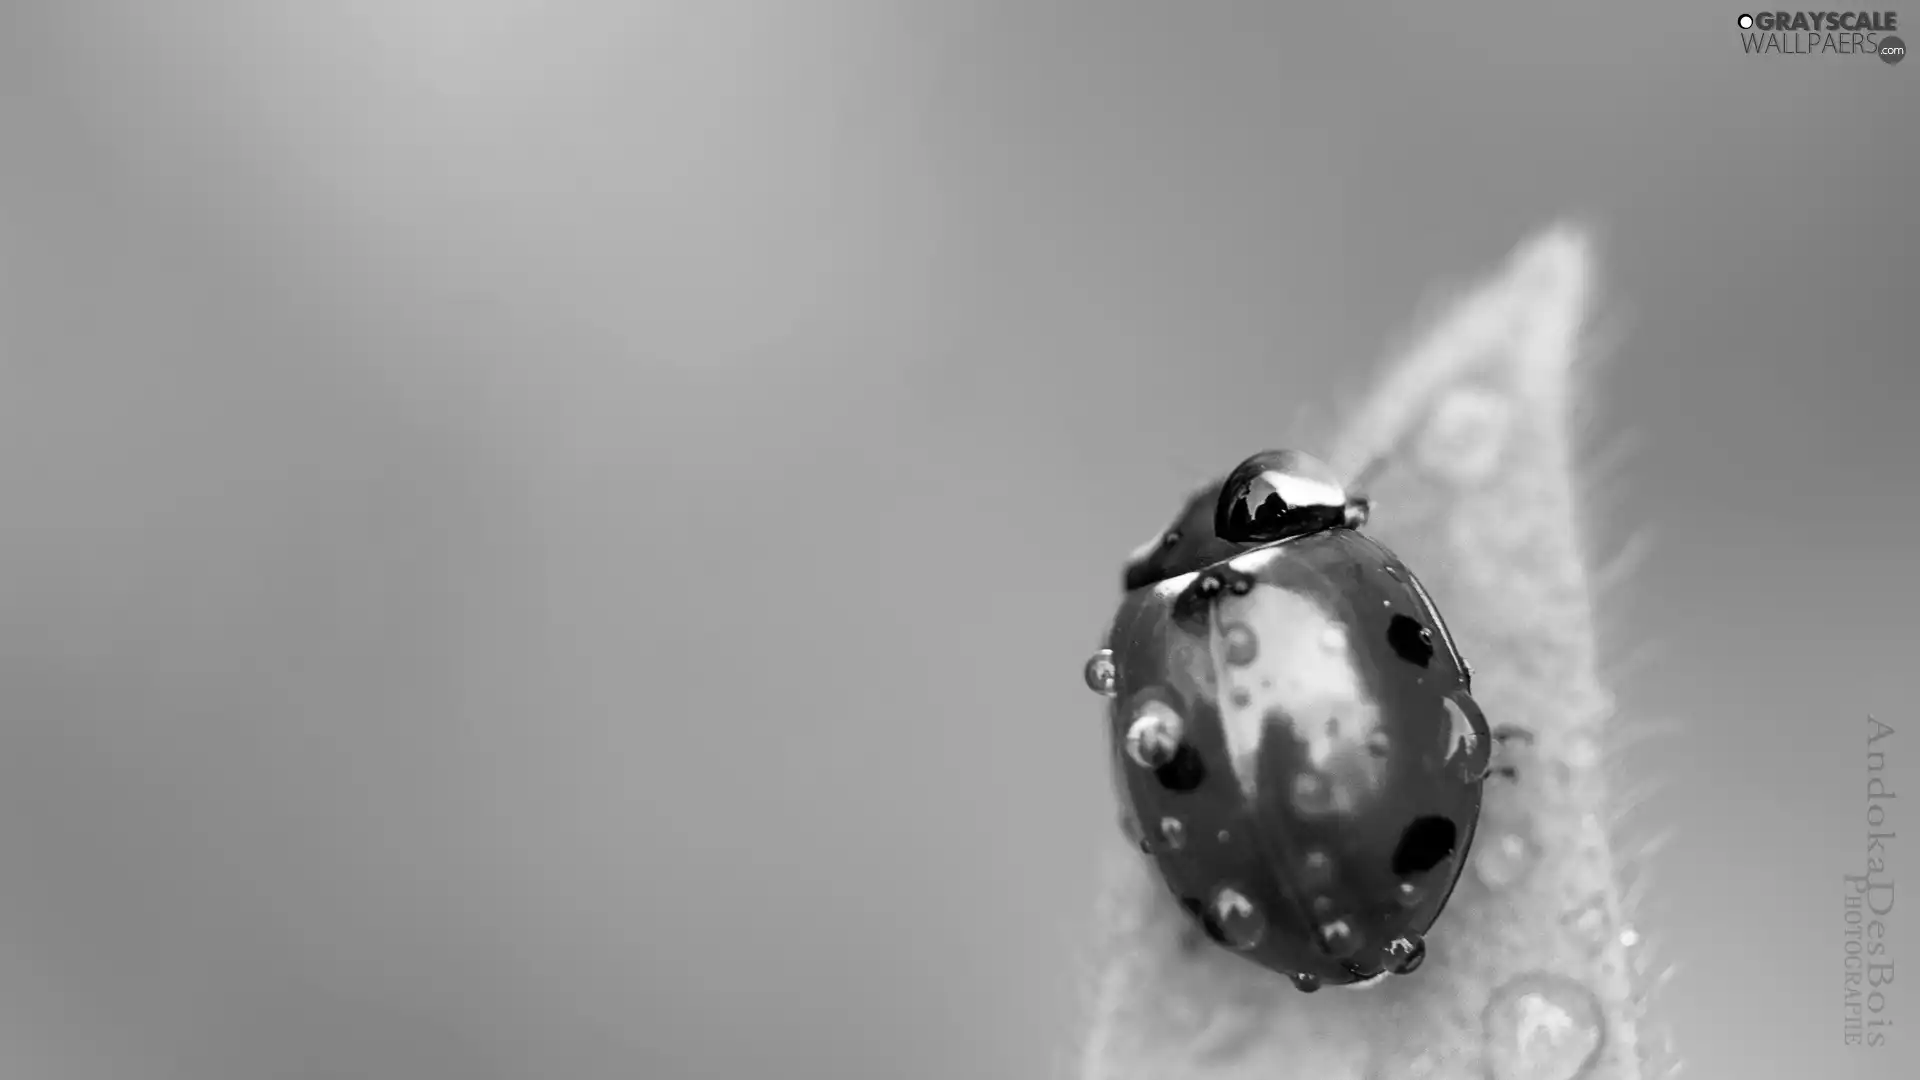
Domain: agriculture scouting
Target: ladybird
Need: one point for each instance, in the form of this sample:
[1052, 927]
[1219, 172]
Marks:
[1295, 741]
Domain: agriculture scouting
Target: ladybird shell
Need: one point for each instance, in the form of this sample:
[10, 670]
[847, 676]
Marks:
[1330, 756]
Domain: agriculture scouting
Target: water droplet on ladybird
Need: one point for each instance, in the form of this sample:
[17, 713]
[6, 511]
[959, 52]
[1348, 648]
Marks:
[1542, 1027]
[1406, 954]
[1154, 738]
[1408, 894]
[1410, 641]
[1101, 674]
[1304, 982]
[1173, 833]
[1504, 859]
[1235, 918]
[1394, 573]
[1240, 584]
[1338, 938]
[1241, 646]
[1469, 741]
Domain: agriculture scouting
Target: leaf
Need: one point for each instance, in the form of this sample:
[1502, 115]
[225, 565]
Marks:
[1467, 447]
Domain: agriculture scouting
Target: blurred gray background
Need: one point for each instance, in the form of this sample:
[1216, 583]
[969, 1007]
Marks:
[556, 539]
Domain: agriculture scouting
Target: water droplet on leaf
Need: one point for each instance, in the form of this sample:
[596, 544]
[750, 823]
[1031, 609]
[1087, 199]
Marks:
[1542, 1027]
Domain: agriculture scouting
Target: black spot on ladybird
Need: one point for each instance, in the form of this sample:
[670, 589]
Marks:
[1423, 845]
[1410, 641]
[1184, 773]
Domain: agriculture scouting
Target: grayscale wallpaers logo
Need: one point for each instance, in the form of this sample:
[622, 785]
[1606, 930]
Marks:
[1823, 33]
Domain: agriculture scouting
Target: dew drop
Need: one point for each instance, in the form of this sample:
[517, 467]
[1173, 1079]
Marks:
[1238, 922]
[1305, 983]
[1502, 860]
[1154, 738]
[1173, 833]
[1101, 674]
[1241, 646]
[1542, 1027]
[1408, 894]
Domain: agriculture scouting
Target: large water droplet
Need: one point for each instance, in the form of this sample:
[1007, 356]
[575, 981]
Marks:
[1542, 1027]
[1101, 674]
[1154, 738]
[1502, 859]
[1235, 918]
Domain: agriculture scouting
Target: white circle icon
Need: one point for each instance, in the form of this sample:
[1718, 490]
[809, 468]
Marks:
[1746, 22]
